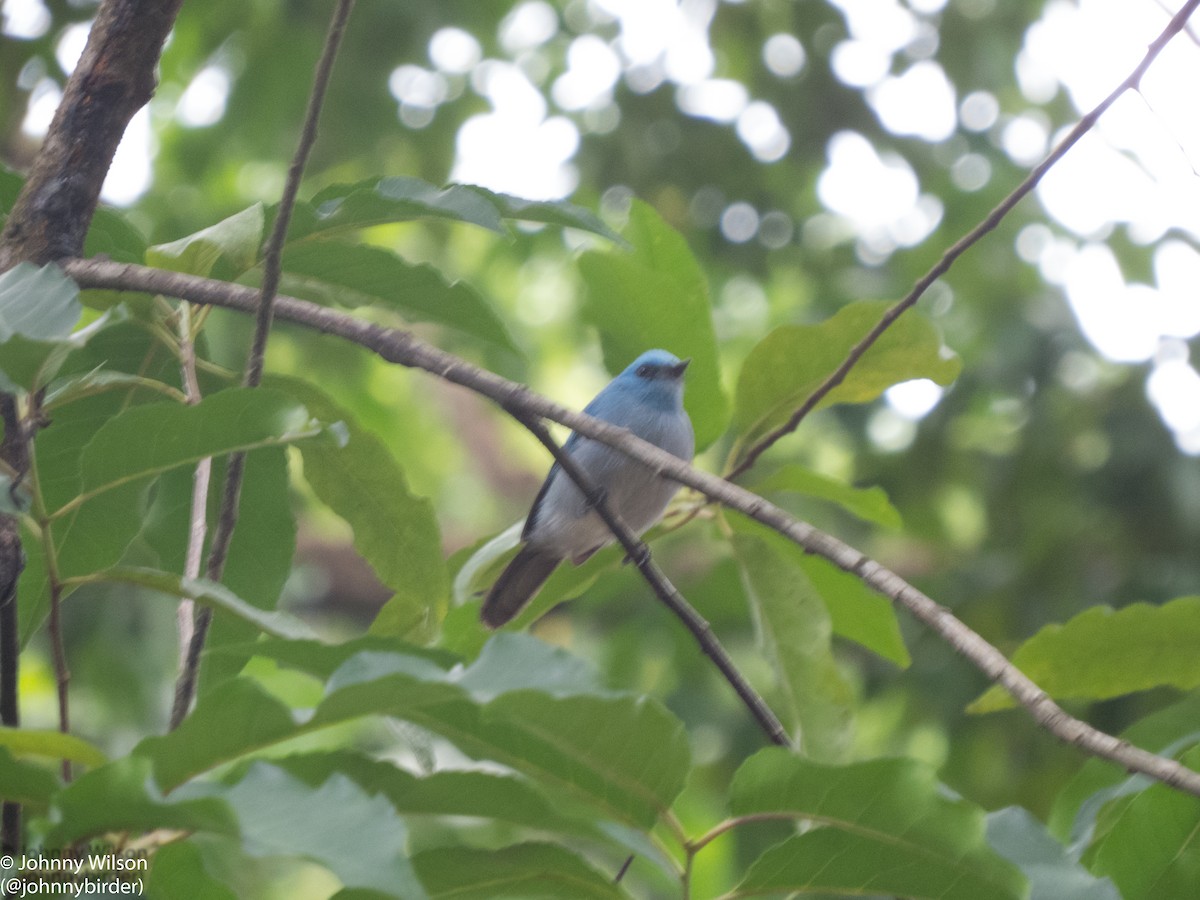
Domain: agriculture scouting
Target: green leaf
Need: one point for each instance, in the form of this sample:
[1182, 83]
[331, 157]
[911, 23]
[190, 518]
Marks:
[884, 827]
[377, 201]
[38, 311]
[1053, 874]
[795, 632]
[626, 756]
[361, 275]
[177, 872]
[235, 718]
[869, 504]
[54, 744]
[123, 347]
[10, 187]
[279, 815]
[1152, 845]
[517, 662]
[1103, 653]
[121, 796]
[33, 587]
[152, 439]
[209, 593]
[236, 240]
[786, 366]
[522, 871]
[111, 234]
[1166, 732]
[856, 612]
[99, 381]
[342, 207]
[394, 530]
[37, 303]
[657, 296]
[549, 212]
[24, 782]
[321, 660]
[260, 554]
[96, 536]
[504, 798]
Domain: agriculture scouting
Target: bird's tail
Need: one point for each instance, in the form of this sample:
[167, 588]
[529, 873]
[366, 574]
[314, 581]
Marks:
[517, 584]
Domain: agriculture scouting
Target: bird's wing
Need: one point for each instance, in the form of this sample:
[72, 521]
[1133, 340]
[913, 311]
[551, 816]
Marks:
[569, 446]
[531, 519]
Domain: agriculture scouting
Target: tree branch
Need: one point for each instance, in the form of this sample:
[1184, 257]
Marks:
[403, 348]
[198, 517]
[989, 223]
[113, 79]
[639, 553]
[185, 687]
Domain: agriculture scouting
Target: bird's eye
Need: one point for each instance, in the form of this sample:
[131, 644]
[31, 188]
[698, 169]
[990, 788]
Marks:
[645, 371]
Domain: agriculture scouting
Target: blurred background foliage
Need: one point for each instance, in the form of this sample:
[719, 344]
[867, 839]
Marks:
[1041, 483]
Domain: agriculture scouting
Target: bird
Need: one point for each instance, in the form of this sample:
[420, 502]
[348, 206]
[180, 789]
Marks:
[646, 398]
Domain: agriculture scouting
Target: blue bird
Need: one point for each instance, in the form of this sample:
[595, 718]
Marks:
[647, 398]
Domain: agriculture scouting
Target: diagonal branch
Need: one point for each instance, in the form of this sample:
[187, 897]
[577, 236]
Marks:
[639, 554]
[185, 687]
[989, 223]
[404, 348]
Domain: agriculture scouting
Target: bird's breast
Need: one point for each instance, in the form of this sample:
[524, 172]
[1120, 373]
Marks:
[566, 524]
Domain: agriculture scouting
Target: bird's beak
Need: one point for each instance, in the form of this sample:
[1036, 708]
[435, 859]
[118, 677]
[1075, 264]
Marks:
[680, 367]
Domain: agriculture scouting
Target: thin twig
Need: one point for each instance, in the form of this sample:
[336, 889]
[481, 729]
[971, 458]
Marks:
[403, 348]
[62, 673]
[989, 223]
[185, 688]
[639, 554]
[24, 431]
[198, 518]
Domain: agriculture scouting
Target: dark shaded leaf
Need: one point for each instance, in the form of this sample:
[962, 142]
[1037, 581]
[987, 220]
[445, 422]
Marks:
[525, 871]
[796, 635]
[394, 530]
[25, 782]
[121, 796]
[886, 827]
[355, 275]
[279, 815]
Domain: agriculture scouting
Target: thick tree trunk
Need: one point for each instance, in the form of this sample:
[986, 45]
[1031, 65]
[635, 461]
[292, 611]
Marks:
[113, 80]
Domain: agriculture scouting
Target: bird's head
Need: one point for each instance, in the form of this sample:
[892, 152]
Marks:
[657, 364]
[656, 374]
